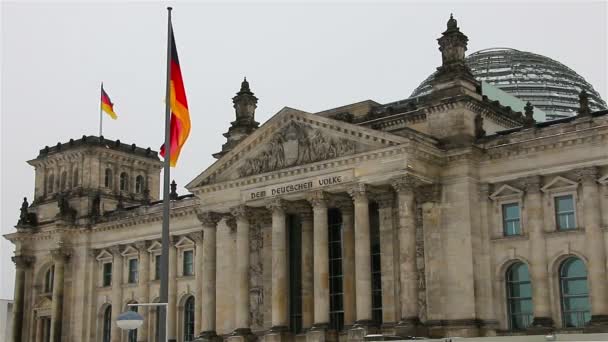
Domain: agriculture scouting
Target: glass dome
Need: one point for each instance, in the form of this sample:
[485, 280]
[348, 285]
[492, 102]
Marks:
[547, 84]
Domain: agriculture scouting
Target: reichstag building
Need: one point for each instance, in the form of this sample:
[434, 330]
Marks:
[448, 213]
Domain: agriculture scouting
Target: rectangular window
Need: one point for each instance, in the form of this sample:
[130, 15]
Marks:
[133, 271]
[511, 219]
[188, 263]
[156, 267]
[336, 275]
[107, 274]
[374, 219]
[295, 273]
[564, 212]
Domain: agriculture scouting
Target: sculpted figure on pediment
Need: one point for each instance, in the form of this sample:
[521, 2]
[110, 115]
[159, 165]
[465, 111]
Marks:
[296, 144]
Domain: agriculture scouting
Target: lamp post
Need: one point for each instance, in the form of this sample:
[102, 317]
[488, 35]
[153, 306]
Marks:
[132, 320]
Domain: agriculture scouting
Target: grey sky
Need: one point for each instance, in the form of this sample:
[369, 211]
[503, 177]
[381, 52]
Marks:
[307, 56]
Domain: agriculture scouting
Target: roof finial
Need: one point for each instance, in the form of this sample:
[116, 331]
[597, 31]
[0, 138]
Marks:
[452, 23]
[245, 86]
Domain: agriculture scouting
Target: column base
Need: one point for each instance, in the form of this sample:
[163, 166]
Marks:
[319, 332]
[541, 326]
[597, 324]
[360, 329]
[410, 327]
[208, 336]
[278, 334]
[453, 327]
[242, 335]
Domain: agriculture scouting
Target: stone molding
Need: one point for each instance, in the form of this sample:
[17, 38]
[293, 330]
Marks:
[358, 192]
[61, 254]
[428, 193]
[317, 199]
[142, 246]
[209, 219]
[385, 200]
[276, 204]
[407, 183]
[532, 184]
[23, 261]
[240, 212]
[587, 175]
[197, 237]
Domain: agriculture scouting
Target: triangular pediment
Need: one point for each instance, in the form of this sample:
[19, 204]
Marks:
[184, 242]
[292, 138]
[155, 247]
[104, 255]
[129, 251]
[603, 180]
[559, 183]
[506, 191]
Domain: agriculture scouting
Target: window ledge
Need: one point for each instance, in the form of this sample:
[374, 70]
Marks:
[129, 285]
[577, 230]
[190, 277]
[520, 237]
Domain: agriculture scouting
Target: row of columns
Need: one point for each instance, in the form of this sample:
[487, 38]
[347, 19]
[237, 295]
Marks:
[357, 262]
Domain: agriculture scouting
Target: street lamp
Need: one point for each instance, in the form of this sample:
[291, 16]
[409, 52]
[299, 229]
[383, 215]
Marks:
[132, 320]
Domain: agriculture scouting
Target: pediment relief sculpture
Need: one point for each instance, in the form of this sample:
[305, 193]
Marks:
[296, 144]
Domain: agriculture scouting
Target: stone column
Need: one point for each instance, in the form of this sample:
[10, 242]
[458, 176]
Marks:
[22, 262]
[241, 316]
[391, 312]
[39, 329]
[279, 267]
[538, 255]
[306, 218]
[60, 256]
[408, 272]
[198, 279]
[595, 247]
[116, 291]
[144, 277]
[321, 260]
[209, 221]
[363, 281]
[172, 307]
[348, 263]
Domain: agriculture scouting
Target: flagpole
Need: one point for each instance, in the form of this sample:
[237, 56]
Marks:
[100, 112]
[164, 259]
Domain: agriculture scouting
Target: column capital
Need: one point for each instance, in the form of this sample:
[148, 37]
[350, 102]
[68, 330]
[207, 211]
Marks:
[142, 246]
[587, 175]
[60, 254]
[385, 199]
[276, 205]
[240, 212]
[358, 192]
[115, 250]
[208, 218]
[196, 237]
[532, 184]
[430, 193]
[230, 222]
[23, 261]
[407, 183]
[317, 199]
[346, 206]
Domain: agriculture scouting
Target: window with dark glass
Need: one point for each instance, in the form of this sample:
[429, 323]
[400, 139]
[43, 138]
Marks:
[157, 326]
[50, 183]
[107, 274]
[564, 212]
[107, 324]
[189, 319]
[75, 178]
[133, 263]
[139, 184]
[49, 277]
[511, 219]
[295, 273]
[46, 327]
[124, 181]
[519, 296]
[336, 292]
[576, 310]
[132, 335]
[188, 263]
[64, 180]
[108, 178]
[156, 267]
[374, 221]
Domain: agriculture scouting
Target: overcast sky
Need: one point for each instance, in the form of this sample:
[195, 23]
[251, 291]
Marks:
[307, 56]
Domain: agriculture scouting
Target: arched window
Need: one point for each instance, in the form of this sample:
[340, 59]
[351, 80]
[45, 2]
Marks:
[576, 311]
[64, 180]
[132, 335]
[75, 178]
[108, 178]
[189, 319]
[48, 279]
[139, 184]
[519, 296]
[50, 183]
[124, 181]
[107, 325]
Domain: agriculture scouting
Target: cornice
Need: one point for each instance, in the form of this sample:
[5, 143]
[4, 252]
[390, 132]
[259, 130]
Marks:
[146, 218]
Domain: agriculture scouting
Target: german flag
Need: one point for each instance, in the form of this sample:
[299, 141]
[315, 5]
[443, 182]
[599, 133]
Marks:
[106, 104]
[180, 117]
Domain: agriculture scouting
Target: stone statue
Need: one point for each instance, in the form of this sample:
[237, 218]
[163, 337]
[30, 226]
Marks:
[65, 211]
[25, 217]
[96, 206]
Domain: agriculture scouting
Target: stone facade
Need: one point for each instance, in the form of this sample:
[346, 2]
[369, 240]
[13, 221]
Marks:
[417, 187]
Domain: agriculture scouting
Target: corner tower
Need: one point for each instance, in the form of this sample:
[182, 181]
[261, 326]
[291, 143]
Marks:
[80, 180]
[245, 104]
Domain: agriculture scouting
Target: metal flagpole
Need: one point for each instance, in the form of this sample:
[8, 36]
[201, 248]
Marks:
[100, 110]
[164, 262]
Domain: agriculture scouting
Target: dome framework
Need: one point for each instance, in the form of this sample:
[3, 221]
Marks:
[549, 85]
